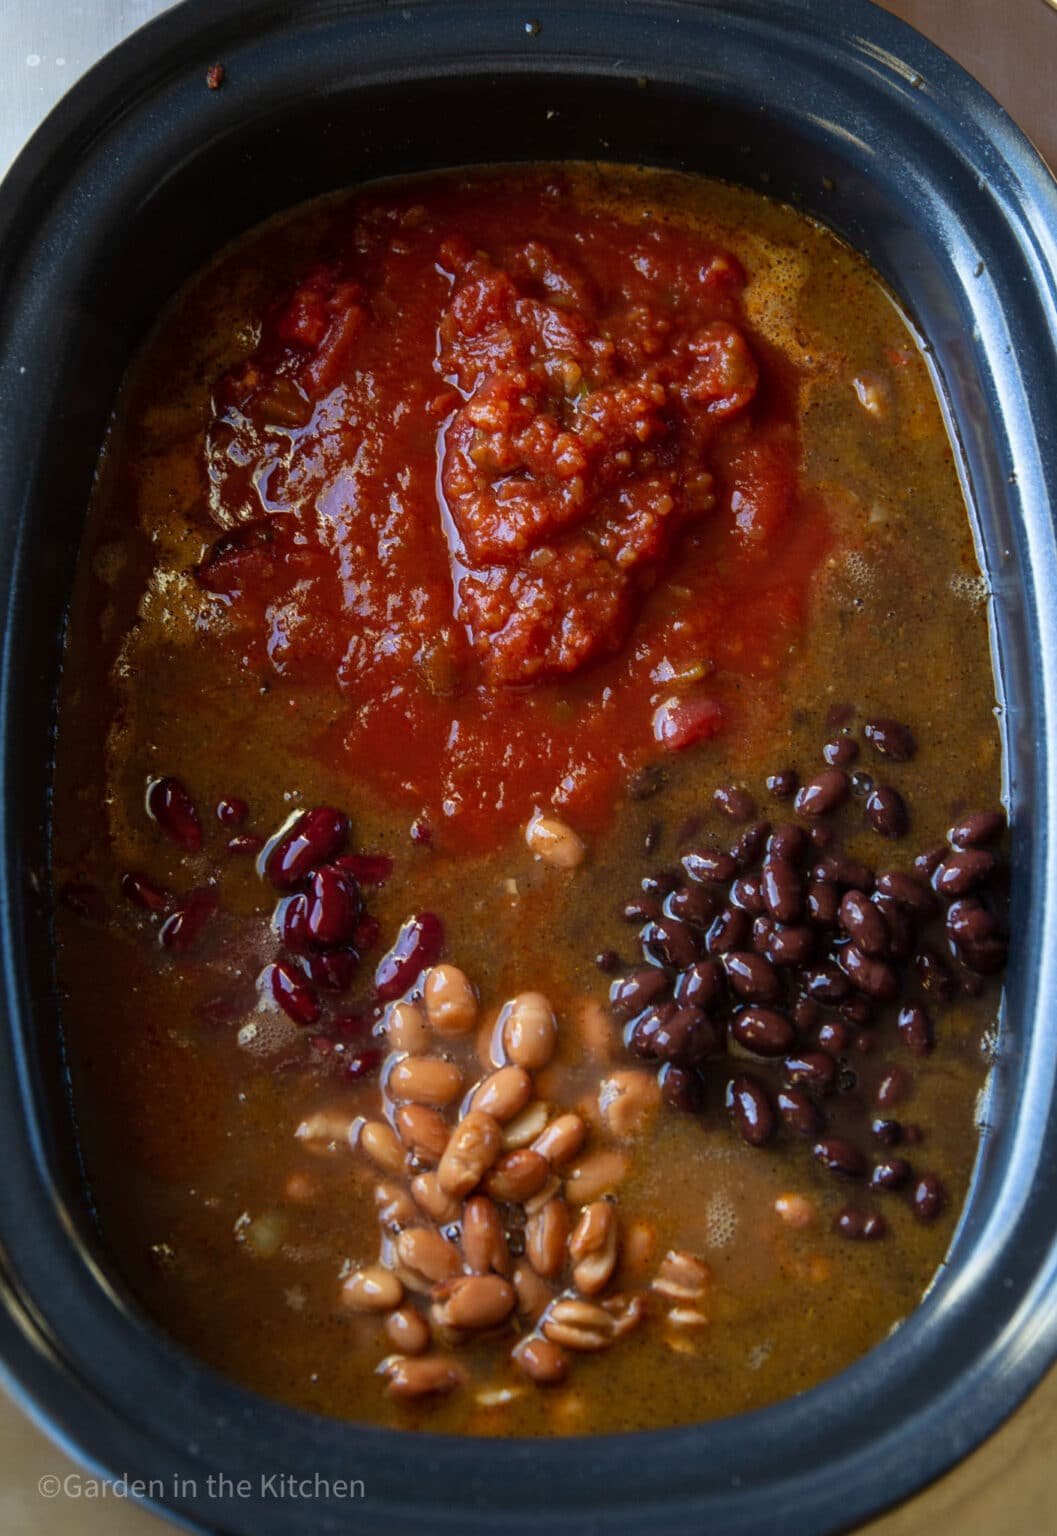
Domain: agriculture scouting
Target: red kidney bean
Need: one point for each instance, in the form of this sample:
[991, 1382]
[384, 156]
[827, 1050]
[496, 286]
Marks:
[899, 921]
[188, 918]
[237, 552]
[231, 811]
[788, 841]
[764, 1031]
[968, 922]
[933, 975]
[700, 985]
[888, 1132]
[886, 811]
[734, 800]
[873, 977]
[685, 1036]
[363, 1063]
[749, 846]
[366, 868]
[979, 828]
[747, 893]
[893, 1173]
[421, 832]
[811, 1069]
[841, 752]
[890, 739]
[893, 1087]
[860, 1226]
[334, 906]
[840, 870]
[750, 976]
[290, 923]
[750, 1109]
[863, 924]
[670, 942]
[825, 983]
[929, 1197]
[681, 1088]
[693, 904]
[709, 864]
[909, 890]
[315, 838]
[417, 947]
[169, 804]
[731, 930]
[797, 1112]
[790, 944]
[245, 842]
[143, 892]
[963, 872]
[366, 936]
[288, 985]
[839, 1155]
[823, 903]
[915, 1028]
[783, 785]
[822, 794]
[333, 971]
[636, 991]
[833, 1037]
[782, 889]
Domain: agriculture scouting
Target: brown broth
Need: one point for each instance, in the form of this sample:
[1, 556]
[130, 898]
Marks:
[188, 1138]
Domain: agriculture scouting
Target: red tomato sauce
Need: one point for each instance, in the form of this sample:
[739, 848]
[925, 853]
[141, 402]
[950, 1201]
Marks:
[532, 502]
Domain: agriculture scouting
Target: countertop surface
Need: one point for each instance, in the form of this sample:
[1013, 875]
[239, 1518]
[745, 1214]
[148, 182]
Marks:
[1009, 1486]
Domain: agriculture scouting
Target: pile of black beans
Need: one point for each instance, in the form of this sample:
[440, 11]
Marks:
[770, 964]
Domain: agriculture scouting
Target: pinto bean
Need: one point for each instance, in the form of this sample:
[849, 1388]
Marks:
[427, 1255]
[474, 1302]
[425, 1080]
[407, 1030]
[628, 1101]
[425, 1131]
[596, 1175]
[541, 1360]
[408, 1331]
[374, 1289]
[546, 1233]
[517, 1176]
[554, 842]
[561, 1139]
[533, 1292]
[436, 1202]
[450, 1000]
[593, 1247]
[425, 1376]
[530, 1030]
[523, 1130]
[578, 1325]
[475, 1144]
[483, 1239]
[504, 1093]
[383, 1146]
[682, 1277]
[394, 1205]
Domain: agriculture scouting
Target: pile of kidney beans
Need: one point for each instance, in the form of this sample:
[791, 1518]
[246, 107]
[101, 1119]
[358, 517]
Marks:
[321, 926]
[801, 964]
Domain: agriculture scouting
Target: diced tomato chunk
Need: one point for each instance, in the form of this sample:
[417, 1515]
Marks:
[683, 721]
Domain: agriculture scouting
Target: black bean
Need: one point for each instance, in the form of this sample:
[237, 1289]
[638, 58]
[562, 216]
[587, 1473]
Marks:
[764, 1031]
[608, 960]
[909, 890]
[886, 811]
[640, 1034]
[750, 1109]
[825, 982]
[700, 985]
[926, 863]
[821, 837]
[823, 793]
[969, 982]
[681, 1088]
[749, 846]
[670, 942]
[934, 975]
[750, 976]
[636, 991]
[839, 1155]
[762, 932]
[860, 1226]
[823, 903]
[873, 977]
[929, 1197]
[979, 828]
[783, 784]
[968, 922]
[685, 1037]
[790, 944]
[841, 752]
[661, 882]
[915, 1029]
[734, 800]
[893, 1173]
[890, 739]
[841, 870]
[899, 921]
[747, 893]
[913, 1134]
[693, 904]
[986, 957]
[811, 1069]
[782, 888]
[833, 1037]
[888, 1132]
[788, 841]
[857, 1009]
[731, 930]
[865, 1044]
[963, 872]
[709, 864]
[641, 909]
[798, 1113]
[806, 1014]
[863, 924]
[893, 1087]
